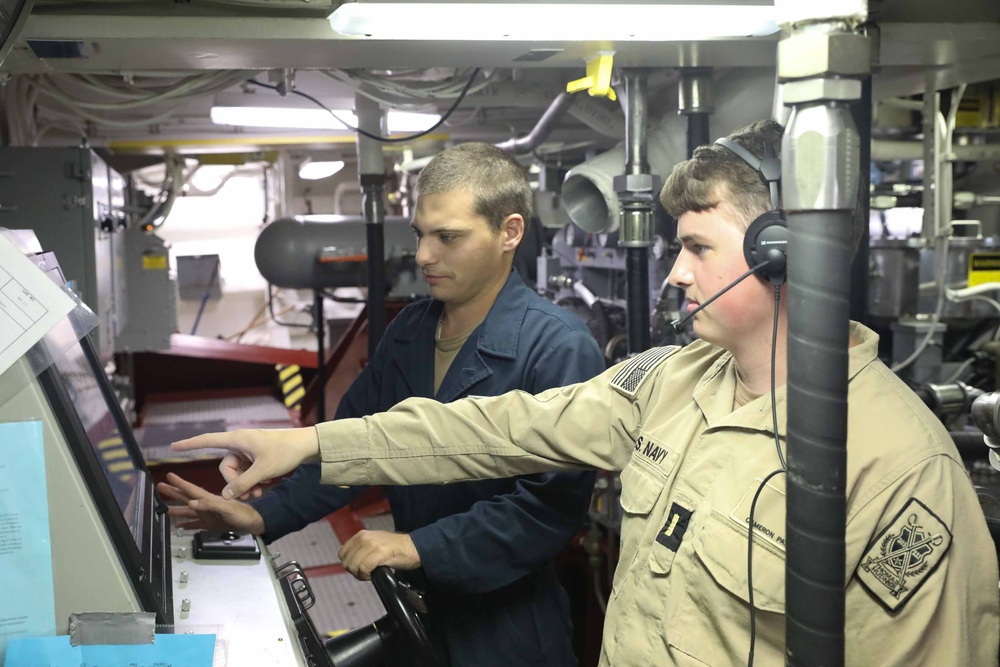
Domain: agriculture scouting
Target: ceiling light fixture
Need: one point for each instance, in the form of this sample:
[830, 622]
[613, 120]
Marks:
[529, 21]
[314, 171]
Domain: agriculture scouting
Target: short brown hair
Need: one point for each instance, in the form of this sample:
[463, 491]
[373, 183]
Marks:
[715, 176]
[499, 185]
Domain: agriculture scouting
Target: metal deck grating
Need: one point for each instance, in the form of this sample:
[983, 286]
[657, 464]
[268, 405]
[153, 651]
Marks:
[343, 603]
[235, 409]
[313, 546]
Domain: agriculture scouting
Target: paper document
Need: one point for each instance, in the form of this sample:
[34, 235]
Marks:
[166, 651]
[30, 304]
[27, 600]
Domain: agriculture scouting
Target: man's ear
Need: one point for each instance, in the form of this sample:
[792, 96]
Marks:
[512, 231]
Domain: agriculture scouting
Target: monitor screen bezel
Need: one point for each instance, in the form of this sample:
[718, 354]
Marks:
[144, 549]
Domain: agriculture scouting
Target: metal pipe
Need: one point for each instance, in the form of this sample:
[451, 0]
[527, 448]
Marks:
[636, 85]
[697, 131]
[822, 59]
[818, 340]
[320, 321]
[861, 112]
[343, 188]
[636, 190]
[543, 128]
[932, 162]
[592, 112]
[637, 286]
[371, 171]
[695, 104]
[897, 149]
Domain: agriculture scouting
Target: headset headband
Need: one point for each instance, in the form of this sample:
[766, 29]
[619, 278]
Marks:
[769, 169]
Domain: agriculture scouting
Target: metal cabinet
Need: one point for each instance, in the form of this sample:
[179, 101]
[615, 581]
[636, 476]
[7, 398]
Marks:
[73, 202]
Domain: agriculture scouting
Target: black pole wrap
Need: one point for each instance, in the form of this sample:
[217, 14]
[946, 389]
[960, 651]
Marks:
[861, 112]
[819, 260]
[320, 321]
[697, 131]
[637, 281]
[375, 233]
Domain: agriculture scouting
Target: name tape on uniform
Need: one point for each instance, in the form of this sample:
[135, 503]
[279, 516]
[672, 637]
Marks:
[630, 376]
[904, 555]
[768, 515]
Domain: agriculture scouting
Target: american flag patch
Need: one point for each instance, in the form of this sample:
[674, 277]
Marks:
[629, 378]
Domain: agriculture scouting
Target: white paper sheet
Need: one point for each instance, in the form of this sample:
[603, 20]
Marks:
[30, 304]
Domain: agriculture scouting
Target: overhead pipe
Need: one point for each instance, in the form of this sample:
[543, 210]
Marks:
[899, 149]
[521, 145]
[821, 59]
[861, 112]
[543, 128]
[596, 115]
[694, 102]
[371, 173]
[637, 189]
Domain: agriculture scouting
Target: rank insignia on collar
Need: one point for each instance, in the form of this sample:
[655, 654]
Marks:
[902, 557]
[631, 373]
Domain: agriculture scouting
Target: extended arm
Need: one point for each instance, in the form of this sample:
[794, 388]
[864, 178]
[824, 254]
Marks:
[301, 499]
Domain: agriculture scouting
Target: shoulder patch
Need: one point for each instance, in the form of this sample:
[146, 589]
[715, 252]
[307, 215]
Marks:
[904, 555]
[630, 376]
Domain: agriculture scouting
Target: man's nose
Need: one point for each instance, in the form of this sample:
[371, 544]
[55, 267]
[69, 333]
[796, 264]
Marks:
[424, 255]
[680, 275]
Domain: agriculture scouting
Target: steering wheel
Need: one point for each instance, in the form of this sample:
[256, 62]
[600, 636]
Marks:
[404, 616]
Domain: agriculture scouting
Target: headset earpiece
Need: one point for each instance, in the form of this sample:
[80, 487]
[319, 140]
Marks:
[766, 239]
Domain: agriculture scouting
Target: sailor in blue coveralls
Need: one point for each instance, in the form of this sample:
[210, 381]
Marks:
[482, 551]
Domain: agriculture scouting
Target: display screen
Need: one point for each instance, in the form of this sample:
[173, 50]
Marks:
[114, 457]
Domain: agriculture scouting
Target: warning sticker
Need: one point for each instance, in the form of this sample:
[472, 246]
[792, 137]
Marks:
[984, 267]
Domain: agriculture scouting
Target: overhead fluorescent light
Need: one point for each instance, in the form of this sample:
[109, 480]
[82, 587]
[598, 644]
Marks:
[315, 119]
[314, 171]
[553, 21]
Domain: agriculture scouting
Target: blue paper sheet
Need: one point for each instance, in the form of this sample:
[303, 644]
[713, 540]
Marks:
[27, 601]
[165, 651]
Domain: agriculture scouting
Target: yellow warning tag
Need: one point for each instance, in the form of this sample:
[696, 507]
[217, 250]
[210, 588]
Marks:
[984, 267]
[154, 262]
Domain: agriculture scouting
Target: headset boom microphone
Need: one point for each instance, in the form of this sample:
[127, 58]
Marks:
[680, 322]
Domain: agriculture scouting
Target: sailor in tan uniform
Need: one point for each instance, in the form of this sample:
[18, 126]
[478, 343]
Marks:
[691, 432]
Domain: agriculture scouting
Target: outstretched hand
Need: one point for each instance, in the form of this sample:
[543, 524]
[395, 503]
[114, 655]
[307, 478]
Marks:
[255, 456]
[208, 511]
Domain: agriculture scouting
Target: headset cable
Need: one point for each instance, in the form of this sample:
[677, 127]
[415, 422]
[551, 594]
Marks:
[784, 468]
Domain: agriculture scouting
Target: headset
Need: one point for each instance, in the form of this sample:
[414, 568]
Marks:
[766, 239]
[765, 243]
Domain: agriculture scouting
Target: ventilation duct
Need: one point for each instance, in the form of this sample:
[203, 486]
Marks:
[741, 96]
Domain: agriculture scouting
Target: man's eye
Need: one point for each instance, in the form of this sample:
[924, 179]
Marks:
[447, 238]
[699, 249]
